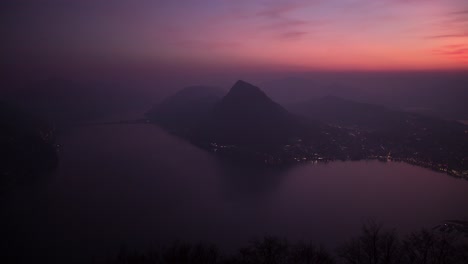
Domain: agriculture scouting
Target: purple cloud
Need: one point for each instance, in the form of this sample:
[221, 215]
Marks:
[455, 51]
[199, 44]
[289, 35]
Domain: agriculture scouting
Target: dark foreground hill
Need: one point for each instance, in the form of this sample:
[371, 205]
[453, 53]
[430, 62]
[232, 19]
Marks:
[27, 147]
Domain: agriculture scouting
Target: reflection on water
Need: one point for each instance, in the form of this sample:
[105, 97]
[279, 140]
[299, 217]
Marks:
[136, 184]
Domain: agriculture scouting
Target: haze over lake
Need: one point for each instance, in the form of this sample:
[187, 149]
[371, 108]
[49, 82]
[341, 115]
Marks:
[137, 185]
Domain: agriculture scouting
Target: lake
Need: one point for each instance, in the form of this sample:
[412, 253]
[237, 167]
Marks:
[137, 185]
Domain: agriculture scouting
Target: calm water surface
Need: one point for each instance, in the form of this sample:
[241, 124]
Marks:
[137, 185]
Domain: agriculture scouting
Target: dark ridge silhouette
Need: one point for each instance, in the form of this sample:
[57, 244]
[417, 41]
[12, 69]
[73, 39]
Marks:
[27, 147]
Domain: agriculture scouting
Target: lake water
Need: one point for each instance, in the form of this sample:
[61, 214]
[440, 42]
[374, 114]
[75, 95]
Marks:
[137, 185]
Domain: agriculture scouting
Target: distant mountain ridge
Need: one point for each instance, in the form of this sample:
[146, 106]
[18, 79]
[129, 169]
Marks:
[441, 94]
[340, 111]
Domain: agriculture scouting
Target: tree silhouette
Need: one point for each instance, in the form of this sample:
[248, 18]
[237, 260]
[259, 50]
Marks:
[373, 246]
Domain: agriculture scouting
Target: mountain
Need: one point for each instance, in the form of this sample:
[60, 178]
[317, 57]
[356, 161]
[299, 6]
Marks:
[342, 112]
[187, 108]
[338, 111]
[66, 102]
[247, 116]
[295, 89]
[404, 134]
[442, 94]
[246, 125]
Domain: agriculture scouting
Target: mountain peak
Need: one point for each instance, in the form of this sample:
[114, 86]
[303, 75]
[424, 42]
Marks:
[242, 83]
[242, 89]
[247, 116]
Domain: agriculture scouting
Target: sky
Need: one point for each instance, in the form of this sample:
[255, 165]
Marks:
[293, 35]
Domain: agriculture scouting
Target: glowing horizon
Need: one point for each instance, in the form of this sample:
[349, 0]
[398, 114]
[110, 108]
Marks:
[314, 34]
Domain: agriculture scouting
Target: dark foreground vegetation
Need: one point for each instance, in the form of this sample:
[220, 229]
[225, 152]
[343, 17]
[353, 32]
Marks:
[375, 245]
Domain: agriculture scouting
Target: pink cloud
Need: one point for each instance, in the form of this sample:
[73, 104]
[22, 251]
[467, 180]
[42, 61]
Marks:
[462, 35]
[277, 11]
[287, 23]
[455, 51]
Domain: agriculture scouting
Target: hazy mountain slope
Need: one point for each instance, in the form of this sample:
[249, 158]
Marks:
[247, 116]
[186, 108]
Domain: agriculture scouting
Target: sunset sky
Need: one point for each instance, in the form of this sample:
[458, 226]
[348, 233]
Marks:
[269, 34]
